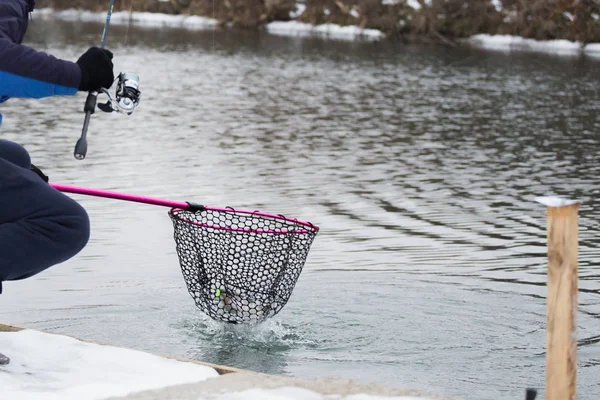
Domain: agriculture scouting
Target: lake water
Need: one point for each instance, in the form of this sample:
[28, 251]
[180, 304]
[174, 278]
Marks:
[419, 164]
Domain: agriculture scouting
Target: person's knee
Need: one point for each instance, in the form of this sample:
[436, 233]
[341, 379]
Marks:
[14, 153]
[69, 227]
[36, 243]
[76, 234]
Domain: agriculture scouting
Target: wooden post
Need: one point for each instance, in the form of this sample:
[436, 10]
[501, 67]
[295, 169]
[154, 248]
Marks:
[561, 339]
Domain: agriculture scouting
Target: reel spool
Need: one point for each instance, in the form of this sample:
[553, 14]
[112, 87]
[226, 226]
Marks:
[127, 95]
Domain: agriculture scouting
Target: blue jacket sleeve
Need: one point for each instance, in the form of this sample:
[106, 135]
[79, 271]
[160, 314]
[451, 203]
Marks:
[25, 72]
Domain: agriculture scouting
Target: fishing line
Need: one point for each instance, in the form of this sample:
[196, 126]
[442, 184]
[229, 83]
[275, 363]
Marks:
[130, 20]
[213, 30]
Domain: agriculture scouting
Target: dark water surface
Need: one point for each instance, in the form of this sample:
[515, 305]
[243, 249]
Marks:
[420, 165]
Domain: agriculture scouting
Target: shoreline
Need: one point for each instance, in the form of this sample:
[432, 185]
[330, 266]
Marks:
[504, 43]
[218, 381]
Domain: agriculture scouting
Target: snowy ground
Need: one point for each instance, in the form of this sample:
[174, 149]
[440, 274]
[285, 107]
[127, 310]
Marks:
[45, 366]
[332, 31]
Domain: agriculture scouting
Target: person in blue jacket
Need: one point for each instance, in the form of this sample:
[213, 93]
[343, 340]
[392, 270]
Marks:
[39, 226]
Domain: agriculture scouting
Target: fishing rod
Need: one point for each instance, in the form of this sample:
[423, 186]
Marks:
[126, 99]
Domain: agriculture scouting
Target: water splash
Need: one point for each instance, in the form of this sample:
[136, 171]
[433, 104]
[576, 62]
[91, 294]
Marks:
[272, 334]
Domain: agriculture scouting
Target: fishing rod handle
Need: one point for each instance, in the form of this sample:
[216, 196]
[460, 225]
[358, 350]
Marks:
[89, 108]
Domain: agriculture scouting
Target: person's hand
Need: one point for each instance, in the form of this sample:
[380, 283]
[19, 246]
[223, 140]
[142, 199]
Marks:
[96, 69]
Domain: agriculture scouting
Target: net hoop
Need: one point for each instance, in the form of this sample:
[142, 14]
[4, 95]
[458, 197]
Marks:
[240, 266]
[307, 227]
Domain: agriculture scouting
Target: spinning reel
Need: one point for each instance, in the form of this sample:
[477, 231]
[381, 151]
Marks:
[127, 96]
[126, 99]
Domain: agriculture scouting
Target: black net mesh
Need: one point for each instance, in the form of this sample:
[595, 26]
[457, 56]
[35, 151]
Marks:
[240, 267]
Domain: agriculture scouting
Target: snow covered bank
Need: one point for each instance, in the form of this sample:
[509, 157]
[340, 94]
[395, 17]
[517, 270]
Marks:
[294, 28]
[124, 18]
[290, 28]
[331, 31]
[490, 42]
[515, 43]
[47, 367]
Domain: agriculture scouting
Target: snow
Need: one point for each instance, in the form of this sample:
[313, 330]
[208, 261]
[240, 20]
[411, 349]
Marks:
[570, 16]
[592, 48]
[497, 4]
[509, 43]
[300, 8]
[411, 3]
[414, 4]
[553, 201]
[125, 17]
[294, 28]
[52, 367]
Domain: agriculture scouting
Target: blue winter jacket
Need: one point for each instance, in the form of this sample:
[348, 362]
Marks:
[25, 72]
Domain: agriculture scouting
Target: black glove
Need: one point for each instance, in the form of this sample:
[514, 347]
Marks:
[96, 69]
[39, 172]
